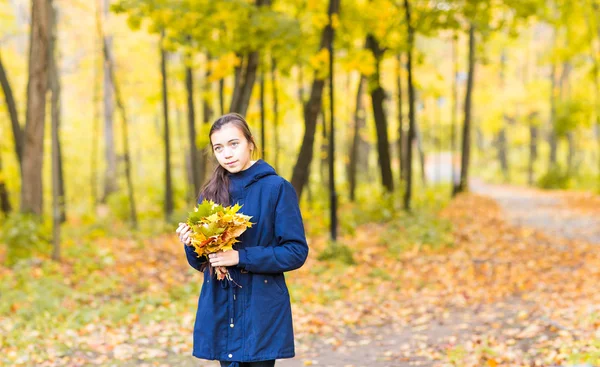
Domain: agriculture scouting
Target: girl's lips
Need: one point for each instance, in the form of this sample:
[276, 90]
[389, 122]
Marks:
[232, 163]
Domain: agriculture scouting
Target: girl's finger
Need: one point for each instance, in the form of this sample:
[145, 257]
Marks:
[182, 227]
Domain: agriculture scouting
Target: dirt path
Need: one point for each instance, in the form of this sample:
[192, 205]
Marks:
[545, 211]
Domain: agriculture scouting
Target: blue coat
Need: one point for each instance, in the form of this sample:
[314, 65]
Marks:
[254, 322]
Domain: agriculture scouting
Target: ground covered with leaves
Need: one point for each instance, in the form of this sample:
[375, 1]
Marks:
[464, 286]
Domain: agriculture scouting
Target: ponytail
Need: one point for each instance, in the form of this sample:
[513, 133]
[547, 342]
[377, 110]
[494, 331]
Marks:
[217, 187]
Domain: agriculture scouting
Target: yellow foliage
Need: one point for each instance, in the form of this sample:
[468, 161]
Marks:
[360, 60]
[320, 20]
[223, 66]
[335, 21]
[215, 228]
[319, 62]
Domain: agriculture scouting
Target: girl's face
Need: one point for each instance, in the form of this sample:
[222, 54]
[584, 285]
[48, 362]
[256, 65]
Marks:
[232, 149]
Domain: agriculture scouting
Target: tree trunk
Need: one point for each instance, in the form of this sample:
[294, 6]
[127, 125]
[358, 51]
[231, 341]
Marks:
[564, 81]
[454, 127]
[377, 97]
[121, 107]
[596, 70]
[12, 112]
[263, 144]
[110, 175]
[480, 140]
[96, 98]
[54, 86]
[502, 140]
[33, 149]
[191, 115]
[552, 139]
[246, 78]
[55, 89]
[466, 142]
[332, 192]
[359, 121]
[532, 122]
[222, 95]
[5, 206]
[454, 118]
[240, 105]
[275, 91]
[168, 187]
[502, 151]
[564, 92]
[311, 111]
[533, 132]
[411, 108]
[421, 151]
[324, 146]
[207, 110]
[401, 134]
[206, 163]
[571, 152]
[301, 85]
[238, 80]
[182, 141]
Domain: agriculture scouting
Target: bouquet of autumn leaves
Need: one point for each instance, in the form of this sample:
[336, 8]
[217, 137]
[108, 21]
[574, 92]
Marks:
[215, 228]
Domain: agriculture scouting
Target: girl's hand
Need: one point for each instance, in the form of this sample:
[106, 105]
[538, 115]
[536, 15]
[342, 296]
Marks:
[224, 258]
[184, 233]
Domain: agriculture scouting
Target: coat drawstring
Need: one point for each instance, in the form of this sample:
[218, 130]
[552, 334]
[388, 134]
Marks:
[228, 279]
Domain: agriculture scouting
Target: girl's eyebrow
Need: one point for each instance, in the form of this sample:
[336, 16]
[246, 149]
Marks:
[214, 145]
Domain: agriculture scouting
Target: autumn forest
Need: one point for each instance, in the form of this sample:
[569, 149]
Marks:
[445, 153]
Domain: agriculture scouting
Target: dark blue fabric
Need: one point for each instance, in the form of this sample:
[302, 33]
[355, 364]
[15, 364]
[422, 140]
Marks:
[251, 319]
[249, 364]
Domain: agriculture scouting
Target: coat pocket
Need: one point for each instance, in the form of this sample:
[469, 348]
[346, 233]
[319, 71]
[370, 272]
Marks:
[279, 280]
[269, 285]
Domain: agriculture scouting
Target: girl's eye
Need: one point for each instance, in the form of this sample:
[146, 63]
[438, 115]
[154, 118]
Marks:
[218, 149]
[235, 144]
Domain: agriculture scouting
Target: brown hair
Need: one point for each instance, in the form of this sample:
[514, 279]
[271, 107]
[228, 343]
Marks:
[217, 187]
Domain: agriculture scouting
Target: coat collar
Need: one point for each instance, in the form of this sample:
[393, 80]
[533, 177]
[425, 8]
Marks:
[240, 180]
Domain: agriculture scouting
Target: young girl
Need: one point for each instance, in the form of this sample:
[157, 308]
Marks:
[248, 321]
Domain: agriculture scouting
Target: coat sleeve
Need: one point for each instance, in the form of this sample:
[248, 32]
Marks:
[291, 249]
[192, 257]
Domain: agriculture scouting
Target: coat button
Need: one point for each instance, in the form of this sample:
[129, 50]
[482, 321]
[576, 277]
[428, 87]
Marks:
[230, 325]
[266, 281]
[230, 356]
